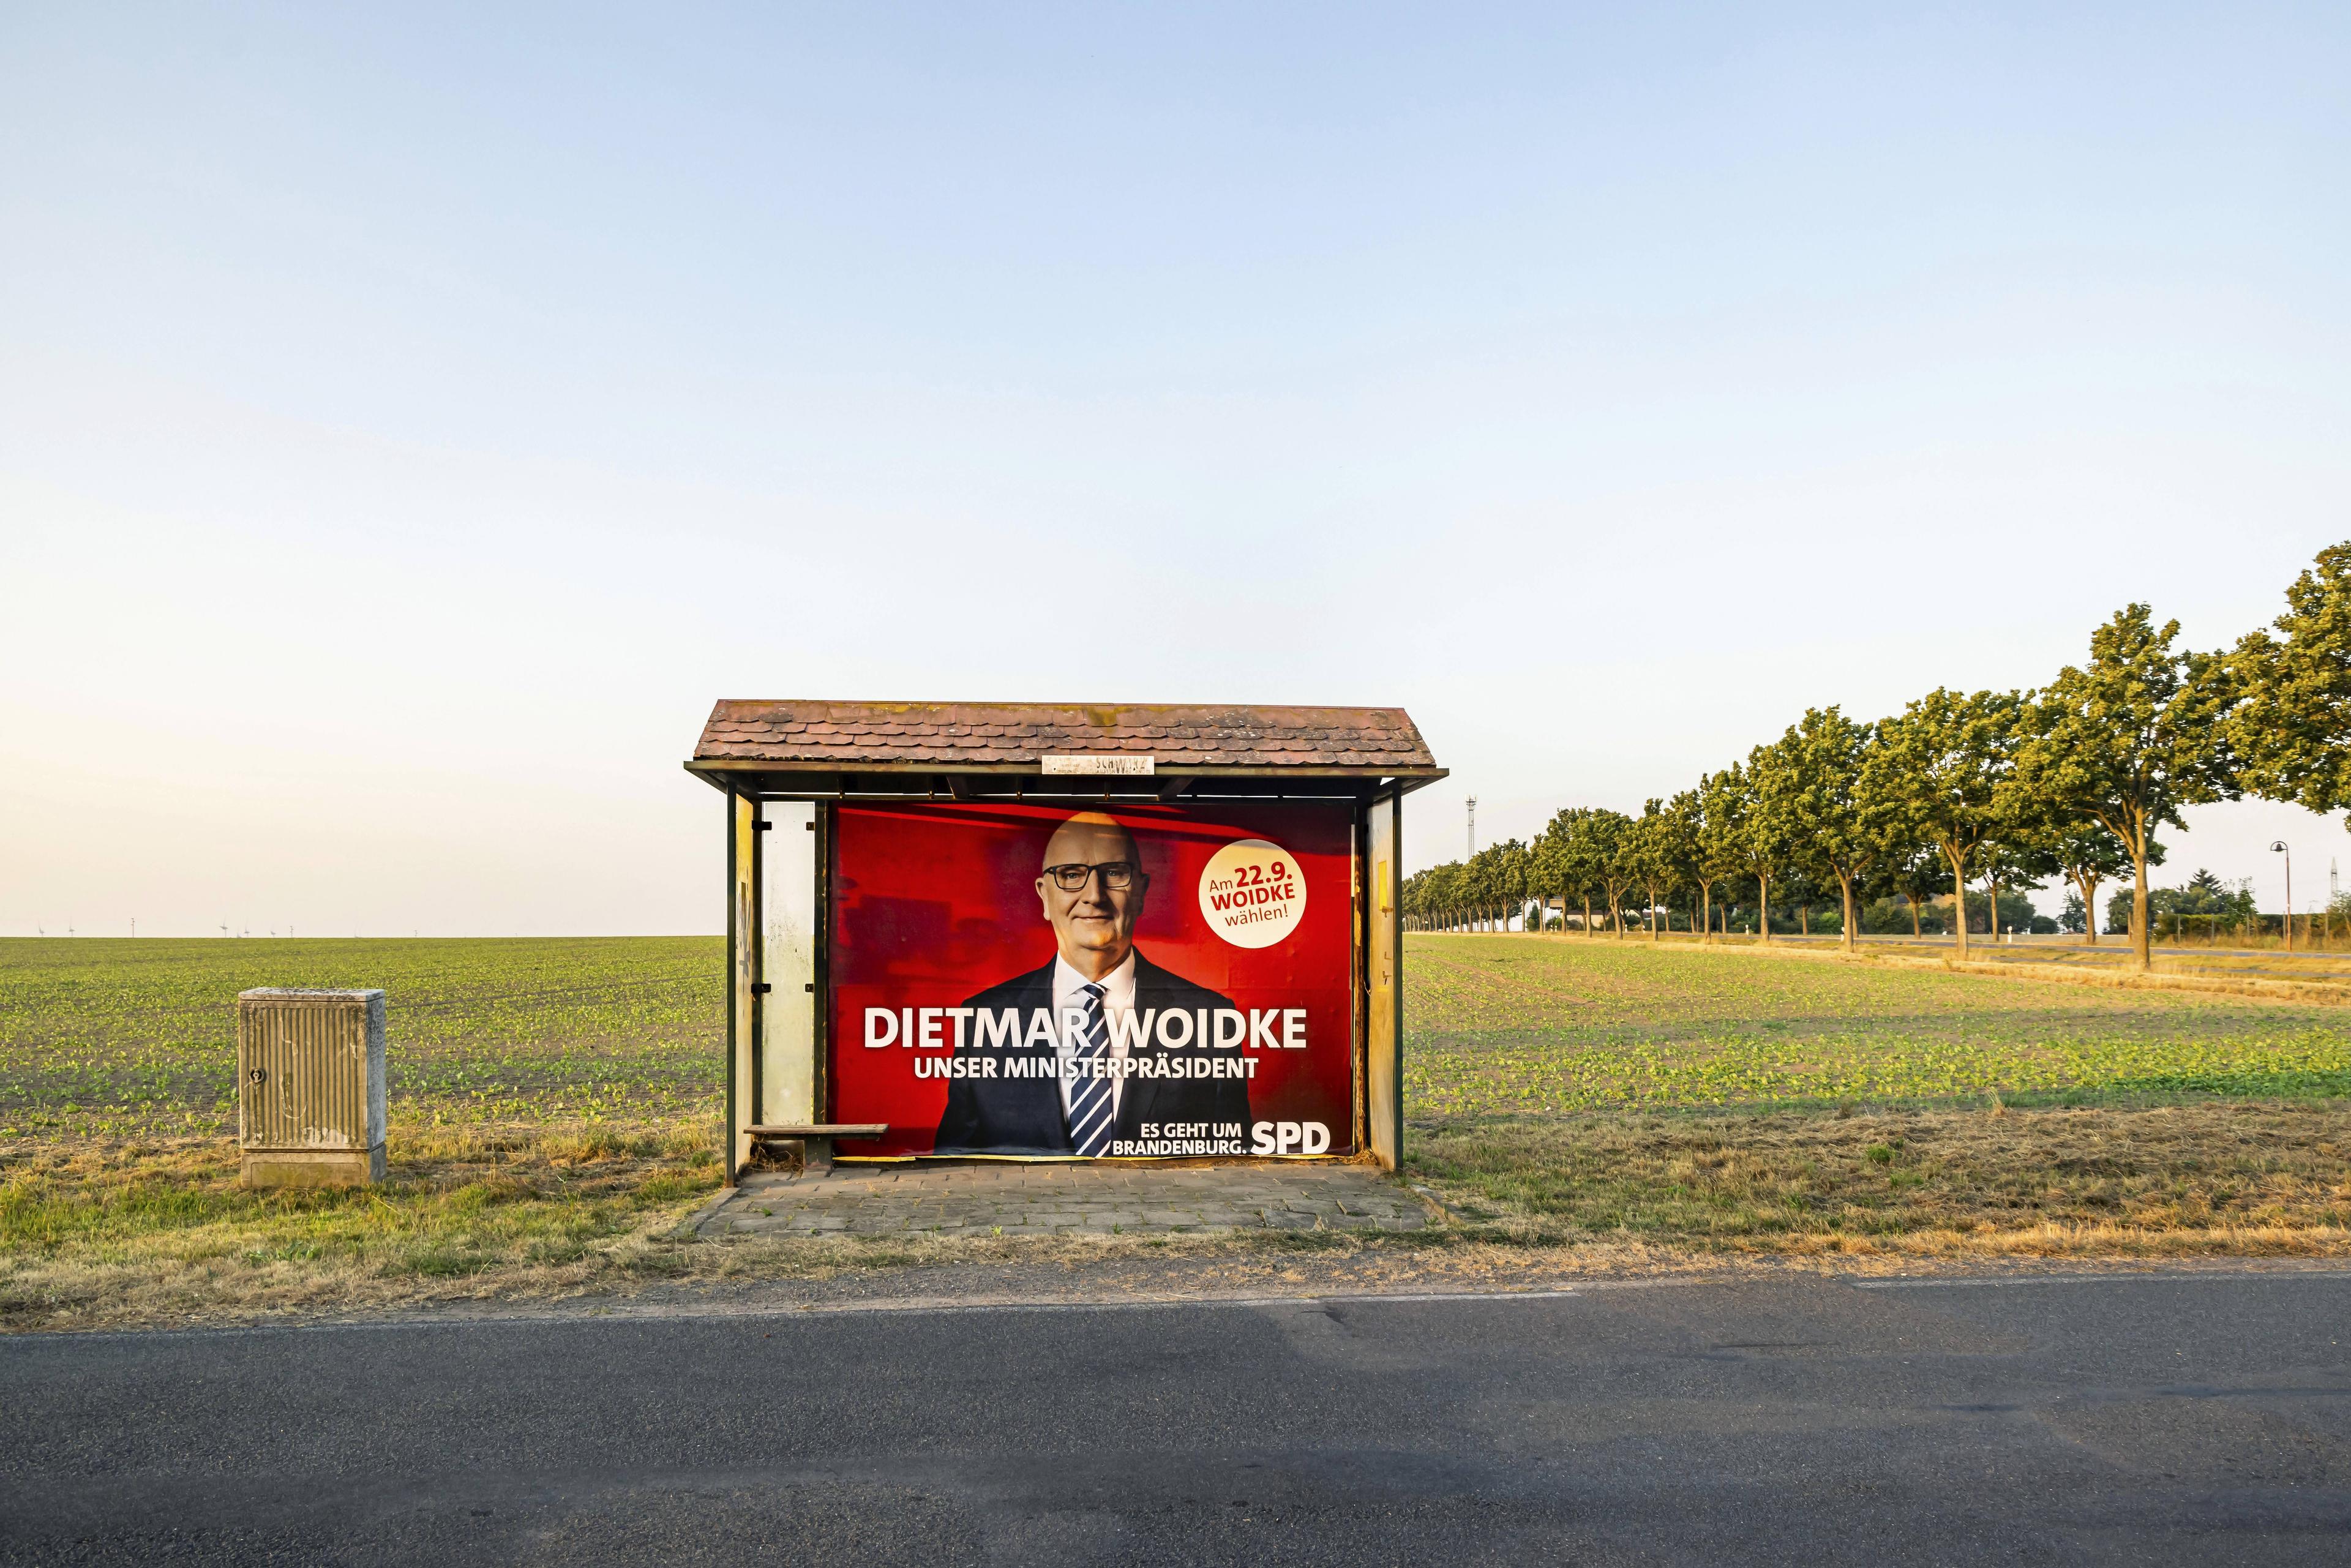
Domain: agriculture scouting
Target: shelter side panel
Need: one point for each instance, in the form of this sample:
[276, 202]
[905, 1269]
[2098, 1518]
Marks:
[1144, 981]
[788, 874]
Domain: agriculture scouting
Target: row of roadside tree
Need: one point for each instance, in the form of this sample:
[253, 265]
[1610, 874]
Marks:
[2007, 788]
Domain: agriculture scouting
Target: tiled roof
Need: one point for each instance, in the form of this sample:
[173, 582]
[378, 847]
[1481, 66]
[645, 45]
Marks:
[850, 734]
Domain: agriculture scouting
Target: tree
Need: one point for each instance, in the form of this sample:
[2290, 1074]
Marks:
[2129, 737]
[1639, 854]
[1614, 852]
[1497, 881]
[2292, 730]
[1420, 892]
[1556, 865]
[1800, 889]
[2205, 898]
[2087, 855]
[1912, 873]
[1593, 857]
[2022, 851]
[1478, 884]
[1431, 897]
[1838, 832]
[1452, 893]
[2076, 917]
[2014, 857]
[1938, 770]
[1767, 835]
[1498, 876]
[1685, 822]
[1721, 853]
[1553, 867]
[1654, 854]
[1512, 866]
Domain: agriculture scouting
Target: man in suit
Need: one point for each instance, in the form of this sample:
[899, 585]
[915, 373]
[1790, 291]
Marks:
[1128, 1043]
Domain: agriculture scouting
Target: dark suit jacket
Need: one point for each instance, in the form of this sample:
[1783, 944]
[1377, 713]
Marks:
[1024, 1116]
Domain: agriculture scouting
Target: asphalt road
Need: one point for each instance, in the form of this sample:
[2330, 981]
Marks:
[2146, 1419]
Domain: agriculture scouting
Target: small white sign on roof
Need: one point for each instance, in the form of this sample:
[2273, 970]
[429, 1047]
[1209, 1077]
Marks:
[1115, 762]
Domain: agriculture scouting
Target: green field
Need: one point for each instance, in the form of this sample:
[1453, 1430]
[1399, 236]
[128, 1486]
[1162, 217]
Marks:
[116, 1039]
[1514, 1026]
[554, 1110]
[1568, 1090]
[553, 1107]
[120, 1038]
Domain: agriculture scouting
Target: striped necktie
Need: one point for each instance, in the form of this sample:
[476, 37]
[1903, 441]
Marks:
[1089, 1097]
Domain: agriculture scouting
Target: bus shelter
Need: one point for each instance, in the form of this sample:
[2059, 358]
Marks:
[1059, 932]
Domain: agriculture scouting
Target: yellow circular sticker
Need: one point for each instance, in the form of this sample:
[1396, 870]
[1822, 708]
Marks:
[1252, 892]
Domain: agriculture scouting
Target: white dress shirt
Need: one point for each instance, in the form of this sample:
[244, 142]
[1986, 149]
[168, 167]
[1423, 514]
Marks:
[1118, 996]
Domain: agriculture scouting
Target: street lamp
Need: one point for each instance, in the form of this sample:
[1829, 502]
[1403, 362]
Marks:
[2279, 848]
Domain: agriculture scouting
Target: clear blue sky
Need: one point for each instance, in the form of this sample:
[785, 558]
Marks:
[410, 421]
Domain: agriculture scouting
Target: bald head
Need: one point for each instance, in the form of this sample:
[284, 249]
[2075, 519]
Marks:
[1092, 888]
[1090, 837]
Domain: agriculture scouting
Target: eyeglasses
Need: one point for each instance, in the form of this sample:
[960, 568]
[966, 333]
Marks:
[1117, 876]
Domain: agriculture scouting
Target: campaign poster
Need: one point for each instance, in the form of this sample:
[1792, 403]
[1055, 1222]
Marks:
[1038, 981]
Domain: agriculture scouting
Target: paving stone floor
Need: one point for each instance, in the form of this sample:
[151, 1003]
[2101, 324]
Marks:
[987, 1197]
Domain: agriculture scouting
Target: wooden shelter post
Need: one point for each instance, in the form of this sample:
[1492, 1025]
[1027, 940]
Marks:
[1384, 1013]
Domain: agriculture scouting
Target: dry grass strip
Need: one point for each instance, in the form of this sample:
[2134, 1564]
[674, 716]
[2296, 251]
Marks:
[2240, 1176]
[151, 1233]
[2320, 991]
[142, 1231]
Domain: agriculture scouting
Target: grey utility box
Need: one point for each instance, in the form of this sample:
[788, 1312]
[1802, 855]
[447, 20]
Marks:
[310, 1074]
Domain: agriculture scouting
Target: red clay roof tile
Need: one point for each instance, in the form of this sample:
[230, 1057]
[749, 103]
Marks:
[847, 734]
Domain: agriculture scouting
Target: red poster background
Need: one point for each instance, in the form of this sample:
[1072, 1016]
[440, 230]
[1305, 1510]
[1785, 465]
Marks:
[932, 903]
